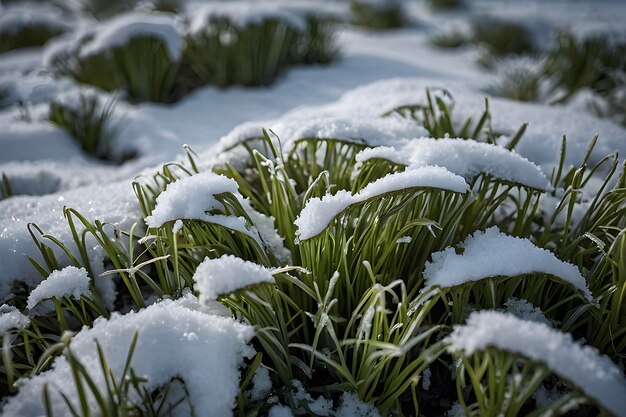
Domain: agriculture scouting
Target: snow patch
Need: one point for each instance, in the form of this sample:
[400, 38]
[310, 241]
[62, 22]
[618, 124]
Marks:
[11, 318]
[68, 282]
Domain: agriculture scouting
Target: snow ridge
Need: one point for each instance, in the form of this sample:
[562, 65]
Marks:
[68, 282]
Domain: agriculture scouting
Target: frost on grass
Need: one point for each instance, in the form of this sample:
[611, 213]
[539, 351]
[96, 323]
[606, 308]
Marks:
[318, 213]
[11, 318]
[242, 14]
[493, 254]
[191, 198]
[525, 310]
[216, 277]
[68, 282]
[466, 158]
[352, 406]
[120, 30]
[173, 341]
[583, 366]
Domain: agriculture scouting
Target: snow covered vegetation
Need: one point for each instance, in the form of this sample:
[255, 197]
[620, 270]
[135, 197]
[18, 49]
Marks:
[371, 237]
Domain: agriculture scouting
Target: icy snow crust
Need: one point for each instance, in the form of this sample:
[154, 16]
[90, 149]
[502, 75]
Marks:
[583, 366]
[205, 351]
[120, 30]
[466, 158]
[222, 276]
[318, 213]
[492, 254]
[68, 282]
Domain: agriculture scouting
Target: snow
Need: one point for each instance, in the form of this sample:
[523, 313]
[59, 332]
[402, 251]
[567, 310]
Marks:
[28, 15]
[466, 158]
[352, 406]
[120, 30]
[11, 318]
[526, 311]
[583, 366]
[280, 411]
[241, 14]
[318, 213]
[173, 341]
[191, 198]
[216, 277]
[67, 282]
[261, 383]
[494, 254]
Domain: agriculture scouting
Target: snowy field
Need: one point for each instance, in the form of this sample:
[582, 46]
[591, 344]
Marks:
[334, 208]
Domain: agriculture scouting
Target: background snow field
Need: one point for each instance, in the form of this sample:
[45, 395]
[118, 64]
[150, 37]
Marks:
[341, 208]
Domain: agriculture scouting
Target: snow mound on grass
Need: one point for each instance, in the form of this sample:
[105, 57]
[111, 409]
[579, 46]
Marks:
[11, 318]
[119, 31]
[466, 158]
[205, 351]
[191, 198]
[318, 213]
[68, 282]
[32, 16]
[242, 14]
[492, 254]
[222, 276]
[583, 366]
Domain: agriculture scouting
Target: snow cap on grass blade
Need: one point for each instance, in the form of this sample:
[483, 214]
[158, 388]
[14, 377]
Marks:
[204, 351]
[215, 277]
[466, 158]
[11, 318]
[583, 366]
[68, 282]
[118, 31]
[491, 254]
[318, 213]
[191, 198]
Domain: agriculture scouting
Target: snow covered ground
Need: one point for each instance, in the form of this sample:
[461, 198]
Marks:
[376, 72]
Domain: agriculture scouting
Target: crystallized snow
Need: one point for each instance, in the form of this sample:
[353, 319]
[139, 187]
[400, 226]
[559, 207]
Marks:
[264, 225]
[261, 384]
[492, 254]
[583, 366]
[318, 213]
[205, 351]
[120, 30]
[467, 158]
[68, 282]
[352, 406]
[191, 198]
[526, 311]
[11, 318]
[216, 277]
[242, 14]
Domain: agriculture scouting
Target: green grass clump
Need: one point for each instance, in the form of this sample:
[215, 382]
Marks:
[519, 79]
[250, 56]
[317, 45]
[384, 15]
[501, 38]
[441, 5]
[88, 122]
[451, 37]
[586, 63]
[103, 9]
[351, 312]
[27, 35]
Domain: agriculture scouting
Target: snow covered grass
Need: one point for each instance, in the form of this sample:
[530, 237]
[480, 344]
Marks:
[22, 27]
[323, 253]
[87, 119]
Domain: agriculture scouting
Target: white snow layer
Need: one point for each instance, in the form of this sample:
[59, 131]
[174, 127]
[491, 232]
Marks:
[467, 158]
[492, 254]
[120, 30]
[318, 213]
[11, 318]
[242, 14]
[205, 351]
[583, 366]
[68, 282]
[191, 198]
[32, 16]
[216, 277]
